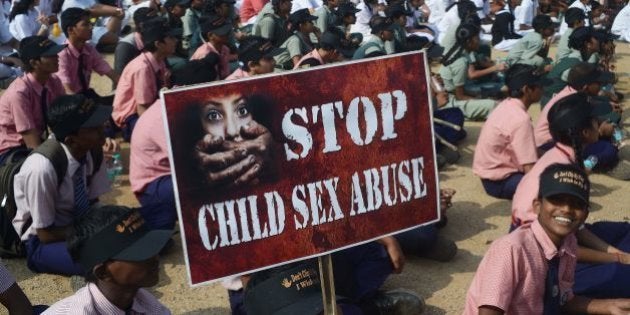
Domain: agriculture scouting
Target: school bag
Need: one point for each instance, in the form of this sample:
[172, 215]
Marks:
[10, 243]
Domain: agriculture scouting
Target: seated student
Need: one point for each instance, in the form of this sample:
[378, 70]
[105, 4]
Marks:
[456, 71]
[531, 270]
[573, 126]
[143, 77]
[346, 17]
[457, 13]
[574, 18]
[325, 15]
[298, 44]
[584, 43]
[149, 168]
[533, 48]
[599, 20]
[398, 13]
[23, 104]
[190, 22]
[47, 205]
[524, 16]
[130, 46]
[216, 32]
[367, 9]
[505, 149]
[328, 51]
[119, 254]
[256, 54]
[11, 295]
[175, 10]
[79, 58]
[583, 5]
[382, 31]
[108, 20]
[503, 35]
[25, 21]
[271, 22]
[621, 24]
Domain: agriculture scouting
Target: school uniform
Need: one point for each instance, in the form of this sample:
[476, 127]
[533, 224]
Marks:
[150, 171]
[542, 136]
[128, 48]
[621, 25]
[100, 28]
[238, 74]
[76, 66]
[271, 26]
[559, 75]
[314, 54]
[296, 45]
[456, 74]
[362, 25]
[223, 67]
[40, 198]
[448, 25]
[584, 7]
[526, 50]
[373, 45]
[325, 18]
[139, 83]
[525, 13]
[249, 9]
[503, 35]
[191, 37]
[505, 144]
[563, 45]
[512, 275]
[90, 300]
[25, 25]
[22, 109]
[311, 5]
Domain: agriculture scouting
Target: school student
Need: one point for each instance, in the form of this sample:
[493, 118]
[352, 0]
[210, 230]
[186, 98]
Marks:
[47, 205]
[531, 270]
[503, 35]
[621, 24]
[119, 254]
[583, 5]
[175, 10]
[130, 46]
[144, 76]
[298, 44]
[506, 150]
[574, 18]
[328, 51]
[457, 70]
[79, 58]
[255, 54]
[109, 19]
[271, 22]
[398, 13]
[524, 16]
[24, 103]
[190, 36]
[367, 9]
[533, 48]
[11, 295]
[216, 33]
[382, 31]
[25, 20]
[325, 15]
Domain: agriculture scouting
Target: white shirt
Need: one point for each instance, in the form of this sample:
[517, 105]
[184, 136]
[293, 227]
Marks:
[306, 4]
[38, 195]
[450, 19]
[25, 25]
[362, 25]
[524, 13]
[621, 25]
[577, 4]
[438, 9]
[83, 4]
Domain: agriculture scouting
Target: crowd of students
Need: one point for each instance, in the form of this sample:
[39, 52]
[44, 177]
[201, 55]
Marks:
[51, 108]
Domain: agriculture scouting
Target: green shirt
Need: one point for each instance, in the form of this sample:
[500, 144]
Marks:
[563, 45]
[325, 18]
[374, 44]
[526, 50]
[456, 73]
[271, 26]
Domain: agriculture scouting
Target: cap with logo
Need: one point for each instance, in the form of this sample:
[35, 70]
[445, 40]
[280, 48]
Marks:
[215, 24]
[347, 8]
[80, 112]
[127, 239]
[568, 179]
[34, 47]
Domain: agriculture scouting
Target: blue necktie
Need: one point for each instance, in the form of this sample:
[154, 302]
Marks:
[81, 202]
[552, 289]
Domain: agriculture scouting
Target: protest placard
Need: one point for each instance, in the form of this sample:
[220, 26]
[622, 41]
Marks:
[282, 167]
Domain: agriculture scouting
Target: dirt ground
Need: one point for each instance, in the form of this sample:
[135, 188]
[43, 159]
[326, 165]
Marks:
[475, 220]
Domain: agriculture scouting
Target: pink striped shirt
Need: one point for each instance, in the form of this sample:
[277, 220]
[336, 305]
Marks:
[21, 109]
[6, 279]
[527, 190]
[512, 274]
[69, 65]
[223, 68]
[506, 142]
[541, 131]
[90, 300]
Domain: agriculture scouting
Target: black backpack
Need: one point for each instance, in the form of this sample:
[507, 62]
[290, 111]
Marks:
[10, 243]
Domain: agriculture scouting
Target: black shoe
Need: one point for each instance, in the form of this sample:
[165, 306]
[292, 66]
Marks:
[399, 302]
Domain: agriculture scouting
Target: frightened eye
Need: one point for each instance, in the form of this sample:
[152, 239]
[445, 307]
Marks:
[214, 115]
[242, 111]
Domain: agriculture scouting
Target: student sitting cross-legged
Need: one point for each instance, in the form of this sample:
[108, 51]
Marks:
[119, 254]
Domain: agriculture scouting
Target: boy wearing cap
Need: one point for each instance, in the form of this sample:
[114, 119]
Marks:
[506, 150]
[216, 32]
[47, 205]
[23, 104]
[531, 270]
[382, 31]
[398, 13]
[143, 77]
[79, 58]
[271, 21]
[298, 44]
[256, 54]
[574, 18]
[119, 254]
[533, 48]
[328, 51]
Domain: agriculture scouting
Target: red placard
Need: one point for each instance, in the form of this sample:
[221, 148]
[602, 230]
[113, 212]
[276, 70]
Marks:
[344, 154]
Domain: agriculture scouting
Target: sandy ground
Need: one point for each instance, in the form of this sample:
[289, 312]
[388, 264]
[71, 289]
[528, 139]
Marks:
[475, 220]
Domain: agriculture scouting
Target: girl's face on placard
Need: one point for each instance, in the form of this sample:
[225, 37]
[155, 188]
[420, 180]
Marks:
[225, 116]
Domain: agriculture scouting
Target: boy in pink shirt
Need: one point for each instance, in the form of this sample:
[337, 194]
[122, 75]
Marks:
[256, 56]
[23, 104]
[531, 271]
[144, 76]
[506, 150]
[329, 51]
[79, 58]
[216, 32]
